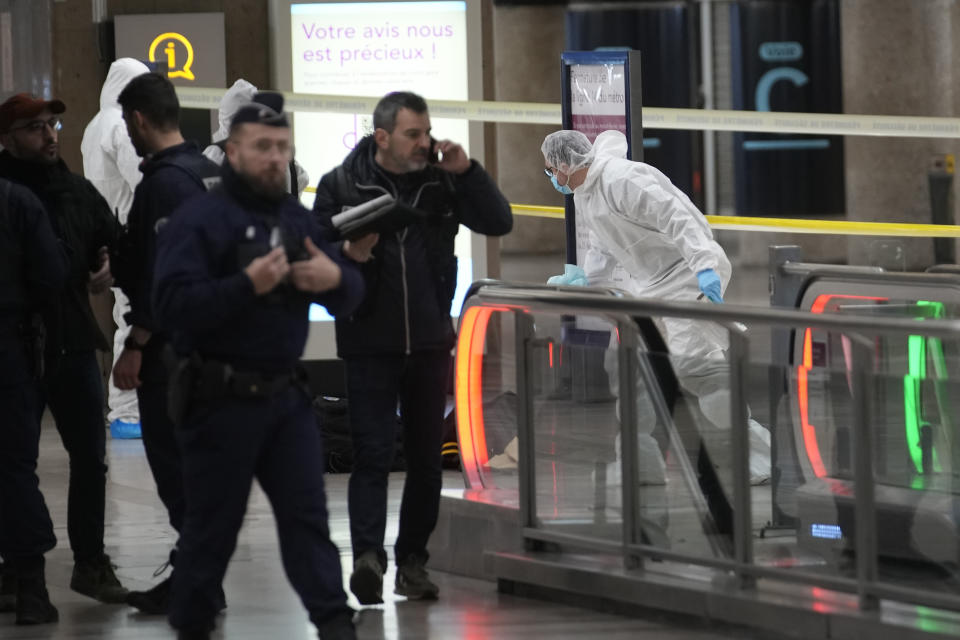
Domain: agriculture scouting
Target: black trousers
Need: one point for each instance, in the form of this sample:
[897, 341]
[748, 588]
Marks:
[73, 389]
[25, 527]
[375, 384]
[159, 441]
[225, 445]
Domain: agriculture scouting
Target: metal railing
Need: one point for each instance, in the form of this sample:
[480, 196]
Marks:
[523, 301]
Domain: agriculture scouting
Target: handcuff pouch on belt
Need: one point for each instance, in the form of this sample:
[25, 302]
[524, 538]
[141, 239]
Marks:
[194, 379]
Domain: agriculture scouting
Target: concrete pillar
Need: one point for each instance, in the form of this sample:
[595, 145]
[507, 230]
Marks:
[898, 59]
[527, 46]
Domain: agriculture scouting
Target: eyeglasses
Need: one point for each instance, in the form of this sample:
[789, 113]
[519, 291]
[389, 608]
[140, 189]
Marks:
[38, 126]
[549, 173]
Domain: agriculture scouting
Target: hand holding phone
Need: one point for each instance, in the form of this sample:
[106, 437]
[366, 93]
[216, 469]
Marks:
[450, 156]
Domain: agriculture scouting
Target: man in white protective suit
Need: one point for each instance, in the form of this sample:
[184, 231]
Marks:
[112, 165]
[645, 236]
[239, 94]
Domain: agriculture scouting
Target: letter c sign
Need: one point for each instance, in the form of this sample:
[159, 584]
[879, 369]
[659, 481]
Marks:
[770, 78]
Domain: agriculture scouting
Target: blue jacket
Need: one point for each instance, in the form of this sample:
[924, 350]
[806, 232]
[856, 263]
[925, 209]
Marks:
[202, 295]
[412, 277]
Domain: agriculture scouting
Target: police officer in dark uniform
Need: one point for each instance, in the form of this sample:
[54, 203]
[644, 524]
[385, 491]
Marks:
[174, 171]
[236, 271]
[33, 269]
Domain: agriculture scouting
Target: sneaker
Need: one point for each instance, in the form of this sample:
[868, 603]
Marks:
[8, 588]
[339, 627]
[366, 581]
[95, 578]
[155, 601]
[122, 430]
[413, 581]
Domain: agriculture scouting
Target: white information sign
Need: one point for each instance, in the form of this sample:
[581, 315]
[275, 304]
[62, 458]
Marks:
[597, 104]
[370, 49]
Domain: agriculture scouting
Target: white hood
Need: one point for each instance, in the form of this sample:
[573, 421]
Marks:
[609, 144]
[121, 72]
[109, 160]
[239, 94]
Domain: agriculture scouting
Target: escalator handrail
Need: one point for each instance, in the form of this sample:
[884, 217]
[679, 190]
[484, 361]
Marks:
[585, 300]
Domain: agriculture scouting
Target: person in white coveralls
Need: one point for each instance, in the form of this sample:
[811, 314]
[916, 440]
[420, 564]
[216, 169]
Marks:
[112, 165]
[238, 95]
[645, 236]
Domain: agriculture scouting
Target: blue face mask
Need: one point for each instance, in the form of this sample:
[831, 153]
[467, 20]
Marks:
[565, 189]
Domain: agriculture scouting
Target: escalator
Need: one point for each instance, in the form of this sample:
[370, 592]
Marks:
[913, 416]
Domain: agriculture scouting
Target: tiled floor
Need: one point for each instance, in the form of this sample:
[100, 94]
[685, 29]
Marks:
[261, 603]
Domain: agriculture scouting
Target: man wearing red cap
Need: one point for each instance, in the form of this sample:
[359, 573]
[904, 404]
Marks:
[72, 385]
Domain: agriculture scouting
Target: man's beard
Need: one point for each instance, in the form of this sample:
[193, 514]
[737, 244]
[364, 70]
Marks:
[273, 189]
[40, 157]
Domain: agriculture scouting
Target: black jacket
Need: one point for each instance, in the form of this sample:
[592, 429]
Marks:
[33, 268]
[203, 297]
[170, 178]
[81, 219]
[412, 277]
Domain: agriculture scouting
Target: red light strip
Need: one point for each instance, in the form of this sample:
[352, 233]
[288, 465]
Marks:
[808, 430]
[469, 393]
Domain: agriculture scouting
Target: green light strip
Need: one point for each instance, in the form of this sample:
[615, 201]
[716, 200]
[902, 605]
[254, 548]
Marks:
[917, 372]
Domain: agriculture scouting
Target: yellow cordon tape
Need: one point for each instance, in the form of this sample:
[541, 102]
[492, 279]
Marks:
[781, 225]
[834, 227]
[653, 117]
[659, 118]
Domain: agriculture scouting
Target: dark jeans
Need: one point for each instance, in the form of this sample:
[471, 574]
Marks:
[157, 430]
[224, 447]
[25, 527]
[374, 385]
[73, 389]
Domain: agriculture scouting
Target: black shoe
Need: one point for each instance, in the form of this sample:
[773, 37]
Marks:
[95, 578]
[221, 601]
[200, 632]
[366, 581]
[412, 580]
[339, 627]
[155, 601]
[33, 602]
[8, 588]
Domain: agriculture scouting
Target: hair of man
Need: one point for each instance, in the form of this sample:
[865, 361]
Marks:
[154, 97]
[385, 113]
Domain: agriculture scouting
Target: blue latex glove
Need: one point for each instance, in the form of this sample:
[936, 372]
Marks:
[709, 283]
[572, 276]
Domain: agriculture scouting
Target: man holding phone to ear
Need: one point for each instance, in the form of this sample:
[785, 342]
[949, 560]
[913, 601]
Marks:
[397, 343]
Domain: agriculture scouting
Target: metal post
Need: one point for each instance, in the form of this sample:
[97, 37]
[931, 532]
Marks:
[709, 137]
[627, 356]
[740, 441]
[527, 476]
[865, 508]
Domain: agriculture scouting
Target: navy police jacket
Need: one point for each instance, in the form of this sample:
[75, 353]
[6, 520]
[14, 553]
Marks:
[203, 297]
[170, 178]
[412, 277]
[33, 269]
